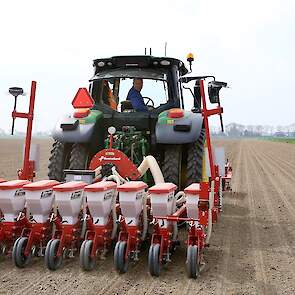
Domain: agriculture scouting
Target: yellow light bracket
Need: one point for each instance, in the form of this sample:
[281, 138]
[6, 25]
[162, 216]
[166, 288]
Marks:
[190, 59]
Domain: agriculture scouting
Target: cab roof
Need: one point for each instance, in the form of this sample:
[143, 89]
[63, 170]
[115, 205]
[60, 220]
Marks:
[138, 61]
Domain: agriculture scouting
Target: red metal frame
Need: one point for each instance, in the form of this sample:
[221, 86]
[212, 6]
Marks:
[68, 234]
[11, 230]
[132, 236]
[37, 234]
[27, 172]
[99, 234]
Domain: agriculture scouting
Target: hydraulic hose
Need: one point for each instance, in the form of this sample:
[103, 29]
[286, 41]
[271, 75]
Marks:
[150, 162]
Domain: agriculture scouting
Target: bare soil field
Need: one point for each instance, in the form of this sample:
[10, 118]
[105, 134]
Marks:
[252, 248]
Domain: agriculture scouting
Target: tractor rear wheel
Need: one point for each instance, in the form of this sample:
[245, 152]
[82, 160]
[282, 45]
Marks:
[172, 164]
[195, 159]
[79, 157]
[59, 160]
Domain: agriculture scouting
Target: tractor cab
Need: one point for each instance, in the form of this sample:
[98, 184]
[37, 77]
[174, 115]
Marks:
[113, 78]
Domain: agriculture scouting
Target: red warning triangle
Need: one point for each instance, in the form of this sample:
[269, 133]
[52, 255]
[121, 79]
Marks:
[82, 99]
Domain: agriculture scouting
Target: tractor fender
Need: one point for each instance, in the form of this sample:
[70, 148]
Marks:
[185, 129]
[79, 130]
[81, 133]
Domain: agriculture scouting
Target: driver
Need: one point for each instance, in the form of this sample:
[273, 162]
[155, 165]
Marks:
[135, 96]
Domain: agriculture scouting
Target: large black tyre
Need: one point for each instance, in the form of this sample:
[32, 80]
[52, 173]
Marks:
[79, 157]
[59, 160]
[195, 159]
[172, 164]
[86, 261]
[121, 264]
[192, 261]
[154, 260]
[52, 262]
[18, 257]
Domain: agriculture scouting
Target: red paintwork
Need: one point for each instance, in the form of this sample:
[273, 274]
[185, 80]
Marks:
[163, 188]
[10, 231]
[27, 172]
[38, 234]
[81, 113]
[100, 235]
[13, 184]
[175, 113]
[100, 186]
[82, 99]
[122, 163]
[132, 186]
[68, 234]
[70, 186]
[40, 185]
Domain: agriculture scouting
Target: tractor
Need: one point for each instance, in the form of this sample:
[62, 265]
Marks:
[173, 135]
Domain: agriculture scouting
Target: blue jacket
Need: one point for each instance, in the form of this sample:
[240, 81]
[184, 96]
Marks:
[137, 101]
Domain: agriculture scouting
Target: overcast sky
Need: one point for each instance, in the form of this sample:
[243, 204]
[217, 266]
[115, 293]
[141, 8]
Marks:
[250, 44]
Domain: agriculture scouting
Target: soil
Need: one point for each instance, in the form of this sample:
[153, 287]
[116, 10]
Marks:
[252, 249]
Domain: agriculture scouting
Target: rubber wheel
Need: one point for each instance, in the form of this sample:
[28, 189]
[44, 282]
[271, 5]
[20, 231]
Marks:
[79, 157]
[59, 160]
[121, 264]
[192, 262]
[172, 164]
[19, 259]
[86, 262]
[51, 260]
[154, 260]
[195, 159]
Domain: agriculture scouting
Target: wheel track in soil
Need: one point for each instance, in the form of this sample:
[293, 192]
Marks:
[270, 205]
[270, 177]
[223, 287]
[260, 273]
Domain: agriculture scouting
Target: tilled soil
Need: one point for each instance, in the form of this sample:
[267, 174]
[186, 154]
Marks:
[252, 248]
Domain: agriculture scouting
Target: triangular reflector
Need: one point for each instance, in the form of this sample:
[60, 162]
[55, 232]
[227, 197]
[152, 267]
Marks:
[82, 99]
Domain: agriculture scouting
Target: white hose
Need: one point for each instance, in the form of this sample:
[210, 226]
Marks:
[180, 198]
[211, 202]
[150, 162]
[114, 213]
[145, 217]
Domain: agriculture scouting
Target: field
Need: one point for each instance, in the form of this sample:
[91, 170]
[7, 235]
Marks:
[252, 248]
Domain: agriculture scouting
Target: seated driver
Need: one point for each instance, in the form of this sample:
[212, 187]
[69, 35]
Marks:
[135, 97]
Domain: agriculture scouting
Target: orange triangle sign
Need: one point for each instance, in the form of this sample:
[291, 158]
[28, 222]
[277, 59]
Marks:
[82, 99]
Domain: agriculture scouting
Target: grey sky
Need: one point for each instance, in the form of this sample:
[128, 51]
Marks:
[249, 44]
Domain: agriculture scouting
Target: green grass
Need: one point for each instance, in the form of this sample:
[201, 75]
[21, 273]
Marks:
[280, 139]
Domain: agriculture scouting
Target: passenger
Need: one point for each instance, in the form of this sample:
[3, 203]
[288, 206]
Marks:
[135, 96]
[108, 97]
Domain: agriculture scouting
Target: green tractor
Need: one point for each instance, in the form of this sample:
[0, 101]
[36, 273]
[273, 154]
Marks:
[175, 137]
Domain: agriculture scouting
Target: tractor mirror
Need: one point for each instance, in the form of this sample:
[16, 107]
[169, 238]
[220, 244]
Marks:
[16, 91]
[213, 90]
